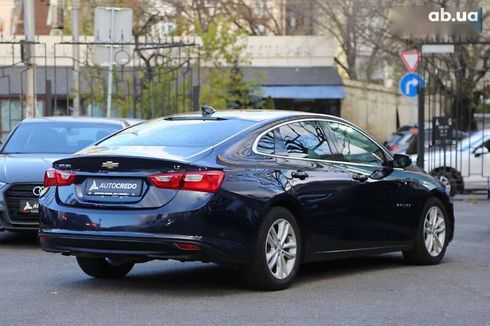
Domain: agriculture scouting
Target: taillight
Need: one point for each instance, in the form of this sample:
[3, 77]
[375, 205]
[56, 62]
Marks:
[206, 181]
[394, 148]
[171, 180]
[53, 177]
[187, 246]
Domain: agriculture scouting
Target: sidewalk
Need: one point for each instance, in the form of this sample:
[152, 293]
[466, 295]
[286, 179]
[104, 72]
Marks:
[473, 197]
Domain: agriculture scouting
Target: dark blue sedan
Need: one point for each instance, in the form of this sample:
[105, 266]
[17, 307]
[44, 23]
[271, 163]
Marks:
[260, 191]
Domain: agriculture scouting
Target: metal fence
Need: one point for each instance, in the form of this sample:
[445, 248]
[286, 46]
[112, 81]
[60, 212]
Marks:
[457, 115]
[149, 79]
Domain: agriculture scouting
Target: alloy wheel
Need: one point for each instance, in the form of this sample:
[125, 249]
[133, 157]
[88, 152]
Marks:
[280, 249]
[434, 231]
[446, 182]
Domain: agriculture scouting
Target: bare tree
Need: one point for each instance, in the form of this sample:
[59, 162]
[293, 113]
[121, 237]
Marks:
[458, 77]
[255, 17]
[358, 27]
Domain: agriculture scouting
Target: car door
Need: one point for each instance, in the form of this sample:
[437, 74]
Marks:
[479, 158]
[322, 188]
[382, 207]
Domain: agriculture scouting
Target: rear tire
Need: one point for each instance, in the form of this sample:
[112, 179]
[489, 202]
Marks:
[432, 235]
[276, 254]
[103, 268]
[452, 179]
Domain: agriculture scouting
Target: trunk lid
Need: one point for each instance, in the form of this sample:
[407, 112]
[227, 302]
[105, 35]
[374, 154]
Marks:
[121, 182]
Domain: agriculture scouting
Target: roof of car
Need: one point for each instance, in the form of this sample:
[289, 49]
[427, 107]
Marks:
[479, 133]
[252, 115]
[115, 121]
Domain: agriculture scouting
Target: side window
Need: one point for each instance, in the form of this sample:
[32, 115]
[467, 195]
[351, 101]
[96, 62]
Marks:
[487, 144]
[305, 139]
[355, 146]
[266, 143]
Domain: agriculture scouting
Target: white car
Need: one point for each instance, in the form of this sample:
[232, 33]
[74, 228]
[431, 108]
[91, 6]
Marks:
[465, 166]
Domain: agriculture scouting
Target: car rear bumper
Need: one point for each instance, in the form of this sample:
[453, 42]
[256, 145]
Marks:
[223, 235]
[141, 246]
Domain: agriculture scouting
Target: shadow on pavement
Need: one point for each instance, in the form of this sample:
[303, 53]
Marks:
[344, 267]
[21, 239]
[213, 280]
[179, 280]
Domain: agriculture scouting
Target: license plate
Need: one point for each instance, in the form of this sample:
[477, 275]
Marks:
[113, 187]
[30, 206]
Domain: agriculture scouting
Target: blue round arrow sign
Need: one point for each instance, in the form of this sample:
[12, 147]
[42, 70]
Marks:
[409, 84]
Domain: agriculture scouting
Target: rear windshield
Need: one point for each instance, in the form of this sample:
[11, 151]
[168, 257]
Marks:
[177, 133]
[475, 140]
[56, 138]
[395, 138]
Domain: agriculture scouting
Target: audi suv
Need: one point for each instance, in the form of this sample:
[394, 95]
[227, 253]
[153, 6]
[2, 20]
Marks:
[31, 148]
[260, 191]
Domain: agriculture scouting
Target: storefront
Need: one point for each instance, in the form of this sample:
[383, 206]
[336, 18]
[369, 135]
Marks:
[311, 89]
[297, 72]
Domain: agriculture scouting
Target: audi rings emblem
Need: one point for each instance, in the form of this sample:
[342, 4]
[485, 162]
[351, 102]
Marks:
[37, 191]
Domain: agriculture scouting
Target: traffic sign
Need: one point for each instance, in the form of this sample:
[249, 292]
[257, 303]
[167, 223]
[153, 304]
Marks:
[411, 59]
[442, 131]
[112, 25]
[410, 83]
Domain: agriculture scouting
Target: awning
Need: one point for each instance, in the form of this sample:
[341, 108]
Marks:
[304, 92]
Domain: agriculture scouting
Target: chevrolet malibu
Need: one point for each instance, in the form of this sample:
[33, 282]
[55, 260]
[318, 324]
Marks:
[259, 191]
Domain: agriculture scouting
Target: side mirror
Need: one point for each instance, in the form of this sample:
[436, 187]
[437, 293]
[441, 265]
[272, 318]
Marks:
[402, 161]
[482, 150]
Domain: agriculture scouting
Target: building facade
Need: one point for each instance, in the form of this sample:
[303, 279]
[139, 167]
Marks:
[297, 72]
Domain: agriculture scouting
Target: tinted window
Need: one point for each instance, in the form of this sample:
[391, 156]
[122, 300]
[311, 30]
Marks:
[266, 143]
[56, 138]
[179, 133]
[473, 141]
[487, 144]
[305, 140]
[355, 146]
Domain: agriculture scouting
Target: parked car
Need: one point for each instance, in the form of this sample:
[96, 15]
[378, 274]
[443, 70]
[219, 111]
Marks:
[403, 140]
[466, 166]
[31, 148]
[399, 139]
[262, 191]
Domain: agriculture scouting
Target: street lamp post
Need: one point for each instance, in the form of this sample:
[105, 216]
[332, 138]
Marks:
[76, 57]
[30, 37]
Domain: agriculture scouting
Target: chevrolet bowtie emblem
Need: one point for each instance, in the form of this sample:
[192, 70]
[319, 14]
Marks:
[110, 165]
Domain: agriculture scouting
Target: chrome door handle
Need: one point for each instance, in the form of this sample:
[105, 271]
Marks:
[360, 177]
[299, 174]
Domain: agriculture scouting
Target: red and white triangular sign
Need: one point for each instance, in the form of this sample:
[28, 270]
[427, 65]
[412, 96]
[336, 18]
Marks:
[411, 59]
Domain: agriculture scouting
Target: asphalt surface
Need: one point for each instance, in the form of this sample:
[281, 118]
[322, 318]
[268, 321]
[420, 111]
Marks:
[38, 288]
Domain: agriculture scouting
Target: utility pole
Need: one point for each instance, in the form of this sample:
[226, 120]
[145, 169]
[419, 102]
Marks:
[111, 63]
[30, 38]
[421, 129]
[76, 56]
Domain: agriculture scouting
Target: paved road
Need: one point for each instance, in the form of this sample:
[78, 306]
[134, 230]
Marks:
[38, 288]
